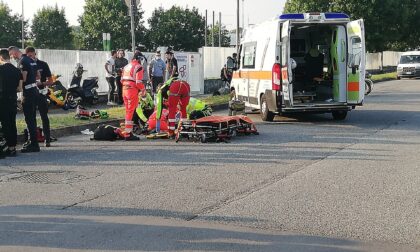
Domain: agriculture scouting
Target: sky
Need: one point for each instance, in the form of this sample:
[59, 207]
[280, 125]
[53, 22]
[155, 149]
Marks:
[255, 11]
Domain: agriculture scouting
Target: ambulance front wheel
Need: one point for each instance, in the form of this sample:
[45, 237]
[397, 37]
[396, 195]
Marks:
[266, 114]
[339, 115]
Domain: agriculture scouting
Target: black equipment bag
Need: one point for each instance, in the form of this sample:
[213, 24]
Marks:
[105, 133]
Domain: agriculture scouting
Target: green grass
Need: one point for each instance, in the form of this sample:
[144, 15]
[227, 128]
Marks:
[68, 120]
[216, 100]
[386, 76]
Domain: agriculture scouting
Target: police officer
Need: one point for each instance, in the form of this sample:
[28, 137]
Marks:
[9, 82]
[44, 81]
[30, 94]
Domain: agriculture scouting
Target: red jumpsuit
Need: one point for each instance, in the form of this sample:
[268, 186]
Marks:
[179, 93]
[163, 121]
[131, 79]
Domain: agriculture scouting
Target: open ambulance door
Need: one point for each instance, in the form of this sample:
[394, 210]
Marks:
[356, 64]
[286, 69]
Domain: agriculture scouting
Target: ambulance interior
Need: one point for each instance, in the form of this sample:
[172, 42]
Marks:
[311, 47]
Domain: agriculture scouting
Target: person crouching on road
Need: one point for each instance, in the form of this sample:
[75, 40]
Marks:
[132, 84]
[144, 110]
[178, 92]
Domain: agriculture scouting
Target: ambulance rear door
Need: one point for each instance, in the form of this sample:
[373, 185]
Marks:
[286, 69]
[356, 63]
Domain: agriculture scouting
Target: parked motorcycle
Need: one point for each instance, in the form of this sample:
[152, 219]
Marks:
[82, 94]
[57, 92]
[368, 83]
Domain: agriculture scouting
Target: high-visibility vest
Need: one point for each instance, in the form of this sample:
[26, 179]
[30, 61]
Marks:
[133, 72]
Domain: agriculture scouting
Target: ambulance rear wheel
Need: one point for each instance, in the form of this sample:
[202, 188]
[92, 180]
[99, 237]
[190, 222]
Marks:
[339, 115]
[266, 114]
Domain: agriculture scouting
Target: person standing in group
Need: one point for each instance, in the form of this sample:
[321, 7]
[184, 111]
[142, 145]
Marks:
[30, 94]
[157, 70]
[110, 76]
[143, 63]
[45, 80]
[120, 63]
[171, 64]
[10, 78]
[132, 80]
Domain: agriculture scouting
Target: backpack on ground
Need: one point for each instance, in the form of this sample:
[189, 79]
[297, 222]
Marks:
[39, 135]
[105, 133]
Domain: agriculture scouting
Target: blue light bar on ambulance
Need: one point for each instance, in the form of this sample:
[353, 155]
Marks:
[292, 16]
[336, 16]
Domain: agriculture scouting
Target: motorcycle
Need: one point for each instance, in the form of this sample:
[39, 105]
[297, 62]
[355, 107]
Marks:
[85, 93]
[56, 93]
[368, 83]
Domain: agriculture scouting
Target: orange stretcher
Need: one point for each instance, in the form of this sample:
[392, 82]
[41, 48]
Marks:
[215, 128]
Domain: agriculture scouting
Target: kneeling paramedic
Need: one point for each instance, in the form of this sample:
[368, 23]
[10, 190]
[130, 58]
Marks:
[144, 110]
[197, 109]
[178, 92]
[132, 84]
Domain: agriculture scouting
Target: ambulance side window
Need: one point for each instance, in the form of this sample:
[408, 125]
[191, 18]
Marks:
[249, 52]
[355, 51]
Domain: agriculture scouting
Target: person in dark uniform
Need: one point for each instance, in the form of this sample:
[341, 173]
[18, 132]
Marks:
[45, 81]
[30, 95]
[10, 78]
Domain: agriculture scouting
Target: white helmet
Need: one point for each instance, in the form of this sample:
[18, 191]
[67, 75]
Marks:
[293, 63]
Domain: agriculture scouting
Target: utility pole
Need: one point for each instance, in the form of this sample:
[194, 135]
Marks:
[212, 33]
[205, 32]
[237, 27]
[220, 29]
[133, 36]
[243, 11]
[23, 28]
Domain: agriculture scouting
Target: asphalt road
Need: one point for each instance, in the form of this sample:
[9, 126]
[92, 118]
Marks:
[306, 183]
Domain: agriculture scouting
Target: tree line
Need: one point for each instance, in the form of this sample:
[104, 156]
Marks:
[181, 28]
[389, 24]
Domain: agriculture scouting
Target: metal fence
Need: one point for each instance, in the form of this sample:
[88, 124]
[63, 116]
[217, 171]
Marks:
[63, 62]
[379, 61]
[193, 67]
[214, 58]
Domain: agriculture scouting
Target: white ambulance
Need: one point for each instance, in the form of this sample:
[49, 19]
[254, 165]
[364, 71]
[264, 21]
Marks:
[309, 62]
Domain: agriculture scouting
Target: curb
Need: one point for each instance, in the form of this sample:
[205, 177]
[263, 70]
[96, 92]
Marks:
[383, 80]
[67, 131]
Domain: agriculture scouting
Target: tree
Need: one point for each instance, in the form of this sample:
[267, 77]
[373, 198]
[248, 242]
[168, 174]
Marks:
[51, 30]
[107, 16]
[10, 27]
[183, 29]
[225, 36]
[389, 24]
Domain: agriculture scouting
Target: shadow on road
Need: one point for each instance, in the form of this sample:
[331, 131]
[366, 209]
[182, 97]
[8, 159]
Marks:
[84, 231]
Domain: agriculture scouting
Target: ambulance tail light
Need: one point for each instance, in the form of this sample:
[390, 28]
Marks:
[276, 77]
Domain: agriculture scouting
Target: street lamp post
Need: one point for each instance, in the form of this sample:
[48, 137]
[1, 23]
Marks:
[23, 27]
[237, 26]
[133, 36]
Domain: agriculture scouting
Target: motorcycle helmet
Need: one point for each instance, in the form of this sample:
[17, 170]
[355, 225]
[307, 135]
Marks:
[79, 69]
[293, 63]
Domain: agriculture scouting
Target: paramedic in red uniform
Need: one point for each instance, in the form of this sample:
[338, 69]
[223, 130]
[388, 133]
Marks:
[178, 92]
[132, 77]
